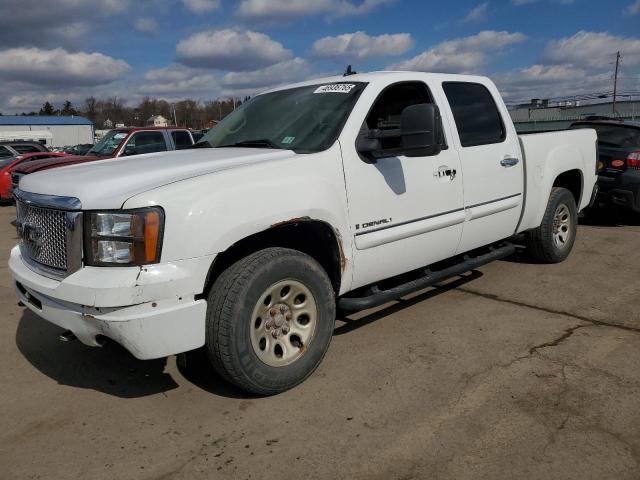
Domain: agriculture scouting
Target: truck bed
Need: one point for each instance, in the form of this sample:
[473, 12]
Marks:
[548, 154]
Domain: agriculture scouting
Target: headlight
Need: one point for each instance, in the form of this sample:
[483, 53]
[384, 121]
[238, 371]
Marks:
[123, 238]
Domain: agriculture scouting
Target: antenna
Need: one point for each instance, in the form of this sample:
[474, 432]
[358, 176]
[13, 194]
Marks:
[348, 71]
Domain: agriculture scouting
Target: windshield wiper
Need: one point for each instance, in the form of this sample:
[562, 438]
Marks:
[263, 142]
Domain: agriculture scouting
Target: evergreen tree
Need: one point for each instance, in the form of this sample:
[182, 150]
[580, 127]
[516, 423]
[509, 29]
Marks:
[47, 109]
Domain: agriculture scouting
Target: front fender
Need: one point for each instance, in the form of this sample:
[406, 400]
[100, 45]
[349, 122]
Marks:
[206, 215]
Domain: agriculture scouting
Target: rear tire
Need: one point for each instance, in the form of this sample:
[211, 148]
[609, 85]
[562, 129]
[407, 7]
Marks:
[270, 320]
[553, 240]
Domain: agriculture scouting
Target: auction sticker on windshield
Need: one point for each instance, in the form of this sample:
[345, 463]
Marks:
[335, 88]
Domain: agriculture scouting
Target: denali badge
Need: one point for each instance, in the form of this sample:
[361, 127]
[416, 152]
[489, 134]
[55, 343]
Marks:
[374, 223]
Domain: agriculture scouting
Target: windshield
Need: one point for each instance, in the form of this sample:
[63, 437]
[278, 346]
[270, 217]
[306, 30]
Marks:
[109, 143]
[305, 119]
[615, 135]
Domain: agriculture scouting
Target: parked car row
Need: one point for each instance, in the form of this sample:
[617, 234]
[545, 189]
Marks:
[121, 142]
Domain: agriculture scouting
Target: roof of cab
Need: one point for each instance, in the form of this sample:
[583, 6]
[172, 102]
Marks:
[386, 76]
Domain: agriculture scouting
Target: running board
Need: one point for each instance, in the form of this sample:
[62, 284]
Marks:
[375, 297]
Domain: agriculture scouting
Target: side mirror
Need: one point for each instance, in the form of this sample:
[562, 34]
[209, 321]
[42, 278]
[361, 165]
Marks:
[129, 151]
[421, 130]
[366, 144]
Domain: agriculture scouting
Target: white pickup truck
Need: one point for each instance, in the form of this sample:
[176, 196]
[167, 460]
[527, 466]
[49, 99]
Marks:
[346, 192]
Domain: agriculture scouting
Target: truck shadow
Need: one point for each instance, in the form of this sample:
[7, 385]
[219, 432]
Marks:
[110, 369]
[609, 217]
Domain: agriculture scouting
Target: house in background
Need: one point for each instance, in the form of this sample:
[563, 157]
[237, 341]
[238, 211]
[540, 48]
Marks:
[157, 121]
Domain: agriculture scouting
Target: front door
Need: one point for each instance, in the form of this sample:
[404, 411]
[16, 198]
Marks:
[404, 211]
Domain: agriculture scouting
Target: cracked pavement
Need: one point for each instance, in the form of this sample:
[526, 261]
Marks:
[515, 371]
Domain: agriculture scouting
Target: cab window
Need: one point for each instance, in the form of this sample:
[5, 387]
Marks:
[476, 114]
[181, 139]
[145, 142]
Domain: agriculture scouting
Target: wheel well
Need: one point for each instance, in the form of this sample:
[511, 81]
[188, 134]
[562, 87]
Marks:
[572, 181]
[313, 237]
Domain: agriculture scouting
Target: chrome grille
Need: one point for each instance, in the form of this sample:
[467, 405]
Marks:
[43, 234]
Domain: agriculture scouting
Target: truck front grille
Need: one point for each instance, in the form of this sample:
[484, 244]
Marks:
[43, 234]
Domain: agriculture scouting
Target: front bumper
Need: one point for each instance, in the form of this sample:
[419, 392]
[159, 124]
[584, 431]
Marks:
[151, 311]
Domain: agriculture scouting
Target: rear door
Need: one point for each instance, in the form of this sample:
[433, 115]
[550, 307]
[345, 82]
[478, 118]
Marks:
[492, 166]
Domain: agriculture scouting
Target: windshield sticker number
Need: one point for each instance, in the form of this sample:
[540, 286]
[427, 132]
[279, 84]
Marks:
[335, 88]
[288, 140]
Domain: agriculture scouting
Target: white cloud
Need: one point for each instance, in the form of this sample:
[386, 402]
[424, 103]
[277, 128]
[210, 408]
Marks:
[359, 45]
[288, 71]
[461, 55]
[179, 81]
[231, 49]
[200, 6]
[47, 22]
[287, 9]
[58, 67]
[633, 9]
[477, 14]
[592, 49]
[549, 81]
[146, 25]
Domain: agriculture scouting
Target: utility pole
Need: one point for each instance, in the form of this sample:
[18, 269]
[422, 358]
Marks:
[615, 82]
[175, 120]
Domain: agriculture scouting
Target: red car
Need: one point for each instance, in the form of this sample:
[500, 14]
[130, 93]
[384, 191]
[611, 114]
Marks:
[121, 142]
[7, 164]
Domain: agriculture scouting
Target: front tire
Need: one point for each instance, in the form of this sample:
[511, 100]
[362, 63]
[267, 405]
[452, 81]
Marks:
[553, 240]
[270, 320]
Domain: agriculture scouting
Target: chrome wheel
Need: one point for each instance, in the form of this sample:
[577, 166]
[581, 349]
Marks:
[283, 323]
[561, 226]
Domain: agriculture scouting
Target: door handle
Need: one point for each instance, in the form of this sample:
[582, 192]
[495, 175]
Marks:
[445, 172]
[509, 162]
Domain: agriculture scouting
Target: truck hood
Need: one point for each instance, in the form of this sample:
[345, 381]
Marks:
[109, 183]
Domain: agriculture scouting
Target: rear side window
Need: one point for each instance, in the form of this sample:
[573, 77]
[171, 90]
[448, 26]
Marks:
[476, 114]
[181, 139]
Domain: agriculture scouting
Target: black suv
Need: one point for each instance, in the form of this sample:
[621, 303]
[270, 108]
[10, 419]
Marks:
[618, 161]
[13, 149]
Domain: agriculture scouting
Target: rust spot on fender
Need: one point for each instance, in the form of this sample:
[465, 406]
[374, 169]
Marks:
[343, 258]
[292, 220]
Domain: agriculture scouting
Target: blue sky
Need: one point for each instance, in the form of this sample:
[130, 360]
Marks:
[205, 49]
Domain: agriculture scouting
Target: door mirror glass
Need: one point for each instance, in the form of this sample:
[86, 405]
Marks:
[421, 130]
